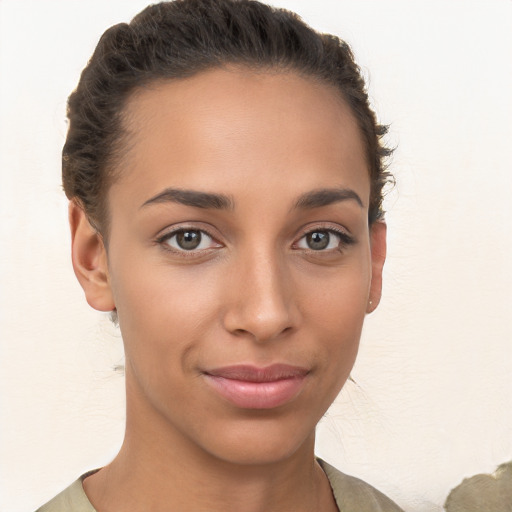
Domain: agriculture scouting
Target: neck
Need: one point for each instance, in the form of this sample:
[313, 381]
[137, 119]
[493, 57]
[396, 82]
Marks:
[160, 469]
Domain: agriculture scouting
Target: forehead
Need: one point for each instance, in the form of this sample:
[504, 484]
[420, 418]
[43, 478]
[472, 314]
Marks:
[221, 125]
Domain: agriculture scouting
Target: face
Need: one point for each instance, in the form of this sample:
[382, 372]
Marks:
[240, 260]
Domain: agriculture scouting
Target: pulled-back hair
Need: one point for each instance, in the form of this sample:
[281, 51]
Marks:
[178, 39]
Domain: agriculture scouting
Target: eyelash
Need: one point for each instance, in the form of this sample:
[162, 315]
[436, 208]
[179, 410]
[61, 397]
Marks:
[164, 239]
[345, 240]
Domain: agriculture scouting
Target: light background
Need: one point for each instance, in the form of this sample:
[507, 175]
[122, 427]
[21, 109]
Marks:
[433, 403]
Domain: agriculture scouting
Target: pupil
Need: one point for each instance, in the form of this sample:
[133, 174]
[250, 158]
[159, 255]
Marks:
[188, 240]
[318, 240]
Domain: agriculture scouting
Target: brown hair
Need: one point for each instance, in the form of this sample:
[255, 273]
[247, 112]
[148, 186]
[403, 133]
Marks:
[183, 37]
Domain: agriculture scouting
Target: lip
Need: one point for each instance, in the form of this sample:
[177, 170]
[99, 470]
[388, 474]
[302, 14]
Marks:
[252, 387]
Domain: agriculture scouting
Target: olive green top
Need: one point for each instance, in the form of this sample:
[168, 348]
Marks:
[350, 493]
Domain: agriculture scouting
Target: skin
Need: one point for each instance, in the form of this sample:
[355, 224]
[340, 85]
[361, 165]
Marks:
[254, 292]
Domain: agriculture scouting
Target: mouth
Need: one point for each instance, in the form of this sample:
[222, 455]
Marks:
[252, 387]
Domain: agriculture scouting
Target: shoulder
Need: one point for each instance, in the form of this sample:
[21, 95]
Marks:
[354, 495]
[71, 499]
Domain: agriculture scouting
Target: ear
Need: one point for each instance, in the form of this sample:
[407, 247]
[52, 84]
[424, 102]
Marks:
[90, 260]
[378, 253]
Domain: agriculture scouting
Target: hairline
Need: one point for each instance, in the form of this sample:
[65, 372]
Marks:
[121, 147]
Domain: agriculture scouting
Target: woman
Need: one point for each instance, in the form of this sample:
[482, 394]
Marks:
[225, 177]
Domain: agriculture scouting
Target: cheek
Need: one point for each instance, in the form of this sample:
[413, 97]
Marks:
[162, 306]
[339, 295]
[334, 309]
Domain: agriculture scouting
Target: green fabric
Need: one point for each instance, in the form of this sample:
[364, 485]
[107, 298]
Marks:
[354, 495]
[71, 499]
[350, 493]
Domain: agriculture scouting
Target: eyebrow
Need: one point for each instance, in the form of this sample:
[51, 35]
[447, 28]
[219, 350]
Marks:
[205, 200]
[326, 197]
[208, 200]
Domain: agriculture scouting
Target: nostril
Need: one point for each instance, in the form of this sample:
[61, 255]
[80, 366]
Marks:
[241, 332]
[259, 334]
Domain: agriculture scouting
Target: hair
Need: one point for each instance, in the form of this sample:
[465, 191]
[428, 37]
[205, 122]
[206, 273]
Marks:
[180, 38]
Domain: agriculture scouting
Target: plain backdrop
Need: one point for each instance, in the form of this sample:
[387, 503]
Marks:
[432, 402]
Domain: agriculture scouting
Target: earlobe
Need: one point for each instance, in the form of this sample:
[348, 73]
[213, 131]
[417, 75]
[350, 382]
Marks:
[89, 259]
[378, 253]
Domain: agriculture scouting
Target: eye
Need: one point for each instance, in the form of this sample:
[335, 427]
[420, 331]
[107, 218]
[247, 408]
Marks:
[187, 240]
[323, 240]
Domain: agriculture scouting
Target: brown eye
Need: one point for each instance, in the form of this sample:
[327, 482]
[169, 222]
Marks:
[324, 240]
[188, 240]
[318, 240]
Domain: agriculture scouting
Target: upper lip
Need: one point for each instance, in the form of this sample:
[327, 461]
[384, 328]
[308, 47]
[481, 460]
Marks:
[249, 373]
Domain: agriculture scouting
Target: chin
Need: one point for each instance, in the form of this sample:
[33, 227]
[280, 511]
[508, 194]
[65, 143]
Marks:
[259, 441]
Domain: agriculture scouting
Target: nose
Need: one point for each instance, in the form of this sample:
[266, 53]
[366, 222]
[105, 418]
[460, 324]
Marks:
[261, 300]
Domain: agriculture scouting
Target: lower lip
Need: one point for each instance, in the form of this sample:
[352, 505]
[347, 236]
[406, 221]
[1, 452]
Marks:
[257, 395]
